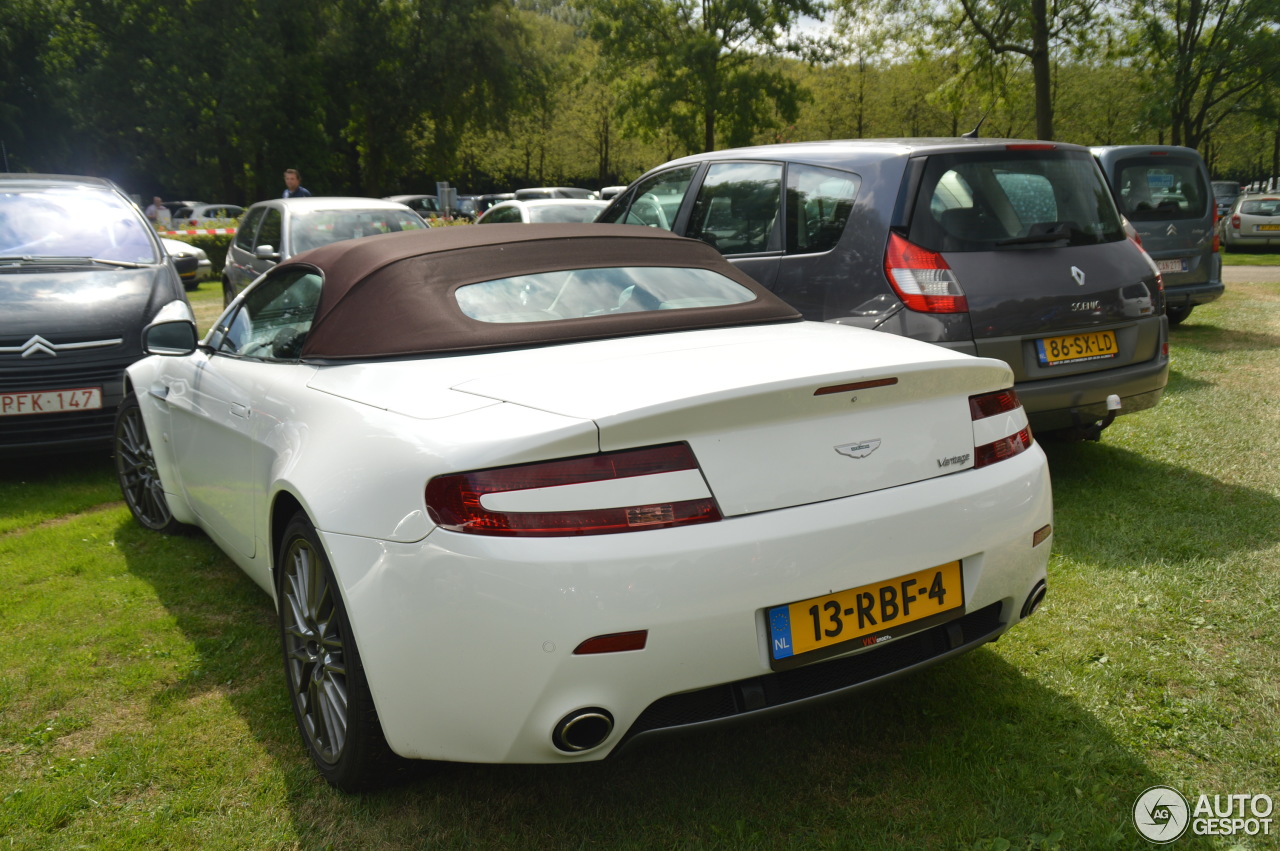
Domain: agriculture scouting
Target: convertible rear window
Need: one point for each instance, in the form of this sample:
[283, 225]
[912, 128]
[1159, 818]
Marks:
[581, 293]
[1013, 200]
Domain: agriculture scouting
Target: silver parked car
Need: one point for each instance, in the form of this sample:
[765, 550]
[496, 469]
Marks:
[275, 230]
[1254, 221]
[543, 211]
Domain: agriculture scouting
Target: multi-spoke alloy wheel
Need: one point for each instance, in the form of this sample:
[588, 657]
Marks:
[314, 651]
[331, 699]
[136, 470]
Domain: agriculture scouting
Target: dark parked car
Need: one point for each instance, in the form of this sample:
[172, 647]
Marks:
[1001, 248]
[82, 272]
[427, 206]
[1225, 193]
[1165, 192]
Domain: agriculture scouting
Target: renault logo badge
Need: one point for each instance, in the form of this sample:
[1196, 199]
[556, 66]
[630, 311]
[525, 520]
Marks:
[1078, 275]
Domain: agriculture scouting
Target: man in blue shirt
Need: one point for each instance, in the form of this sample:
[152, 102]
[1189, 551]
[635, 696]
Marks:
[293, 185]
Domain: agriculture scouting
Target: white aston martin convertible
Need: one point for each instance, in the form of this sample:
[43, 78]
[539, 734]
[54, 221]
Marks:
[530, 493]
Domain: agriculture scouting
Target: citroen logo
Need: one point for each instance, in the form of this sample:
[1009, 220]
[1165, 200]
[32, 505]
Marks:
[1078, 275]
[1172, 230]
[38, 345]
[861, 449]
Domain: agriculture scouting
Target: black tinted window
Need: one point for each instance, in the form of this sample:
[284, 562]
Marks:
[1164, 187]
[737, 207]
[1011, 200]
[247, 229]
[819, 201]
[269, 233]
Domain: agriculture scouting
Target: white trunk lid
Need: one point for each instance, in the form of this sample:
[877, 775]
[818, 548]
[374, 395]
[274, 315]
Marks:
[744, 400]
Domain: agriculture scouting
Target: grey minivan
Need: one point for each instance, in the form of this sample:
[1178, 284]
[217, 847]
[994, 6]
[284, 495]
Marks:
[1165, 192]
[1001, 248]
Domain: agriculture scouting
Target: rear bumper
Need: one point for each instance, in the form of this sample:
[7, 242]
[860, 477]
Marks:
[1059, 403]
[468, 641]
[1193, 294]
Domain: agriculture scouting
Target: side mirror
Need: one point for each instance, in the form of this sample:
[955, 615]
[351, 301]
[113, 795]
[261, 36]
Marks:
[266, 252]
[175, 337]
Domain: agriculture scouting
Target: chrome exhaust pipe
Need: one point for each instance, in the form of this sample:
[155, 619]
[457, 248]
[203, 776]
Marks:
[1035, 598]
[582, 730]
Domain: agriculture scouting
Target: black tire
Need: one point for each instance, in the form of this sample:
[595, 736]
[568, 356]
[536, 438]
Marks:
[136, 471]
[327, 686]
[1177, 315]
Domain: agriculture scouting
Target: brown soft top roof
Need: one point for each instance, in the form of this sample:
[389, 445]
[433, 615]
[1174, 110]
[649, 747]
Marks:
[393, 295]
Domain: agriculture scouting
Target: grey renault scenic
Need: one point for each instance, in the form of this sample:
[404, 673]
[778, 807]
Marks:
[1001, 248]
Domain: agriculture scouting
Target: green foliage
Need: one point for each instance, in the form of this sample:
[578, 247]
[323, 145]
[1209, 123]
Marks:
[1204, 58]
[697, 66]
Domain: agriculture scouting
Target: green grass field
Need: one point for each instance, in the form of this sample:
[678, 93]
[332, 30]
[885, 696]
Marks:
[142, 701]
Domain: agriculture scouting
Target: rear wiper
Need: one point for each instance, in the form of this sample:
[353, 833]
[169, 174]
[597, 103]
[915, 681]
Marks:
[1046, 232]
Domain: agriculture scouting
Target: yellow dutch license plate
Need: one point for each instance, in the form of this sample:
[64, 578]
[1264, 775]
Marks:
[1072, 348]
[822, 626]
[1268, 227]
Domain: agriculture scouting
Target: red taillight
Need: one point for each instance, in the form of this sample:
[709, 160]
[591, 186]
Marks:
[455, 502]
[922, 278]
[1002, 438]
[991, 404]
[1235, 222]
[1216, 245]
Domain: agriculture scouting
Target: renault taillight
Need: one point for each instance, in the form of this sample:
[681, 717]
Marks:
[921, 278]
[574, 496]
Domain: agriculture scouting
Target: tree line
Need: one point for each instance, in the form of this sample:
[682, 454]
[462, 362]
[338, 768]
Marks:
[212, 100]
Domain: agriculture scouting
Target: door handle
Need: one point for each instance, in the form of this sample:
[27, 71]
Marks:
[239, 410]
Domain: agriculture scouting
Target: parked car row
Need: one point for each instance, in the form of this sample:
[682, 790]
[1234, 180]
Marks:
[631, 455]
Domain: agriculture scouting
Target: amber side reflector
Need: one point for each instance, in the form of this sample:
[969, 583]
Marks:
[618, 642]
[1041, 535]
[857, 385]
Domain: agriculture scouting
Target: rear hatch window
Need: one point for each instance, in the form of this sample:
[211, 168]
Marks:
[1012, 200]
[1161, 188]
[1032, 239]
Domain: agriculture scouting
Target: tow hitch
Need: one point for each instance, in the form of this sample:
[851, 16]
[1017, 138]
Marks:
[1093, 431]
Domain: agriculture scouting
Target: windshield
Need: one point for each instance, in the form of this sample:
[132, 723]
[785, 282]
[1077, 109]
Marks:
[312, 230]
[73, 221]
[1013, 200]
[579, 293]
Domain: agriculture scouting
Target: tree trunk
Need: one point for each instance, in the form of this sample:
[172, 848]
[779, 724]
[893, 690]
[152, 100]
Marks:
[1042, 69]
